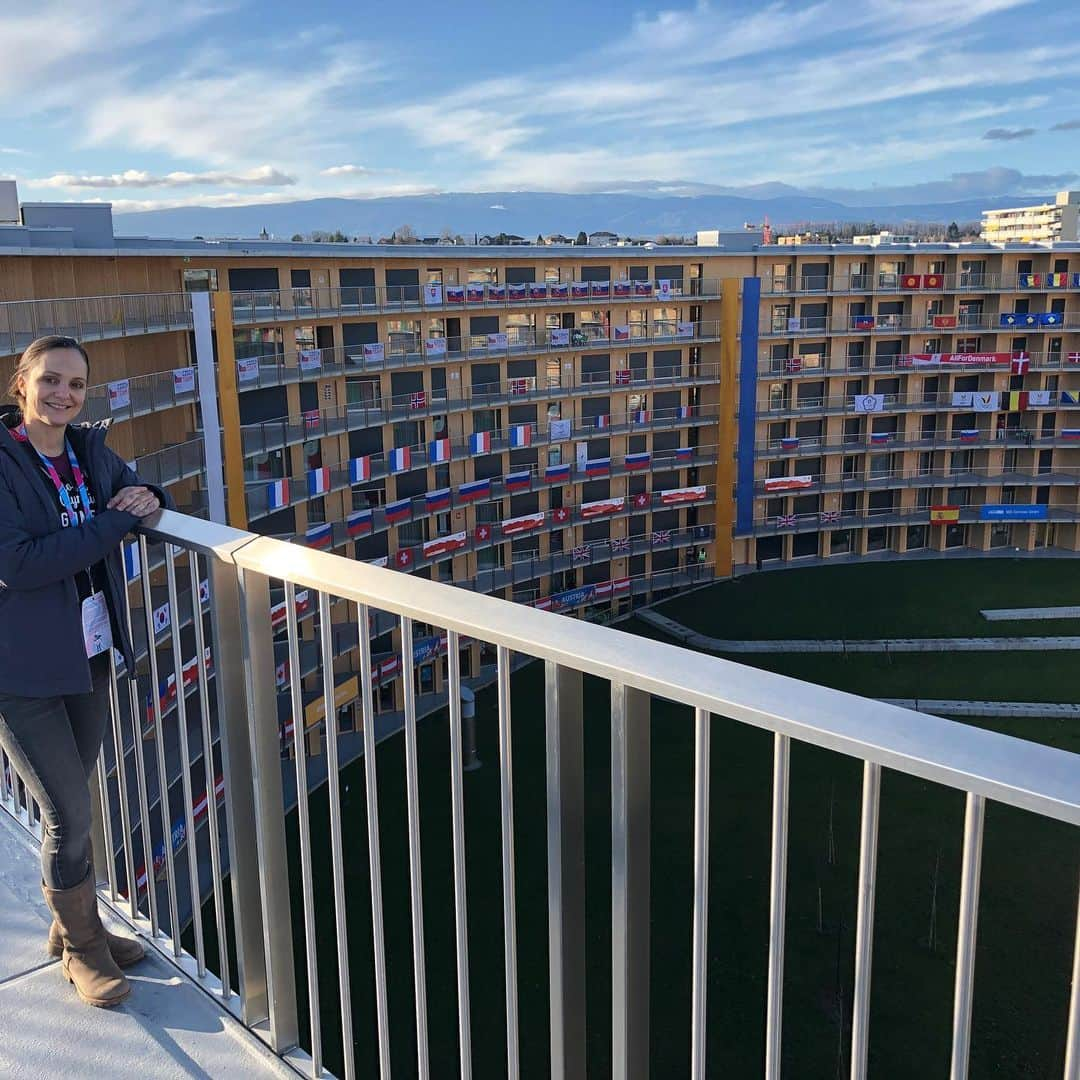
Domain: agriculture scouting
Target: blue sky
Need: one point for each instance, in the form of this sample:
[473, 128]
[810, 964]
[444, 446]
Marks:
[222, 102]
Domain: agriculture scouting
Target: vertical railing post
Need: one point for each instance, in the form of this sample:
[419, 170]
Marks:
[566, 870]
[247, 712]
[630, 857]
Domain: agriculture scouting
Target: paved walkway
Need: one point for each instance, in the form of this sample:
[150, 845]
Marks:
[695, 640]
[1011, 614]
[166, 1030]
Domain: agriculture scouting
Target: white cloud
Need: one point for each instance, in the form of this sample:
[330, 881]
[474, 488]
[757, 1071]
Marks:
[265, 175]
[347, 170]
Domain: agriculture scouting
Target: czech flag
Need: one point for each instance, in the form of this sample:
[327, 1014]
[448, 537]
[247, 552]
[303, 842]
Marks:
[438, 451]
[520, 435]
[358, 524]
[634, 462]
[557, 474]
[475, 489]
[318, 481]
[437, 500]
[398, 511]
[518, 481]
[360, 469]
[400, 460]
[598, 467]
[277, 494]
[321, 536]
[480, 442]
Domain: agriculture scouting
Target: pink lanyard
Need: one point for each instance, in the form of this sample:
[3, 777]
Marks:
[61, 488]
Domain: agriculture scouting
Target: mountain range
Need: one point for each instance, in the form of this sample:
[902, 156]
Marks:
[659, 210]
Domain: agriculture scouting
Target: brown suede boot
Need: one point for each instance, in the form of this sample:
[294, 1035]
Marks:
[87, 962]
[125, 951]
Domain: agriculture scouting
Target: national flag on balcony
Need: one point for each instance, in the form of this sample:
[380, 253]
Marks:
[520, 436]
[943, 322]
[600, 288]
[437, 500]
[785, 521]
[686, 453]
[281, 674]
[277, 494]
[969, 434]
[581, 553]
[320, 537]
[455, 294]
[641, 500]
[1057, 281]
[444, 545]
[661, 536]
[602, 507]
[474, 489]
[517, 290]
[623, 288]
[438, 451]
[538, 290]
[633, 462]
[911, 281]
[360, 469]
[643, 288]
[560, 515]
[1014, 401]
[674, 496]
[318, 481]
[640, 417]
[620, 545]
[1070, 434]
[1070, 397]
[480, 442]
[944, 515]
[686, 412]
[403, 559]
[1030, 281]
[482, 534]
[793, 364]
[358, 524]
[829, 517]
[601, 421]
[1051, 318]
[312, 419]
[557, 474]
[398, 511]
[400, 459]
[525, 523]
[519, 386]
[474, 292]
[862, 322]
[1010, 318]
[518, 481]
[621, 333]
[418, 400]
[880, 438]
[933, 281]
[1040, 397]
[622, 377]
[496, 292]
[1073, 358]
[788, 483]
[560, 290]
[579, 290]
[598, 467]
[1021, 363]
[132, 565]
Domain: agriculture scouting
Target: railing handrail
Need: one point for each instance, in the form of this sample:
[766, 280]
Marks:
[1009, 770]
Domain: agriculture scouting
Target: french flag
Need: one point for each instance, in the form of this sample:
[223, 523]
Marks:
[398, 511]
[360, 469]
[557, 474]
[480, 443]
[969, 435]
[1071, 433]
[641, 416]
[475, 489]
[600, 422]
[400, 460]
[131, 561]
[319, 537]
[637, 461]
[318, 481]
[518, 481]
[789, 443]
[879, 438]
[439, 451]
[358, 524]
[277, 494]
[598, 467]
[520, 435]
[685, 412]
[438, 500]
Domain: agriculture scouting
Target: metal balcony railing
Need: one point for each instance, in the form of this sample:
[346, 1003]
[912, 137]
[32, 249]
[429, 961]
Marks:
[162, 844]
[920, 283]
[960, 401]
[912, 323]
[903, 364]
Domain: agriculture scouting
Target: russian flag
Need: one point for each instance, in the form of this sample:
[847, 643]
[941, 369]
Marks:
[398, 511]
[132, 567]
[475, 489]
[358, 524]
[517, 481]
[438, 500]
[969, 435]
[360, 469]
[600, 422]
[520, 435]
[318, 481]
[319, 537]
[637, 461]
[598, 467]
[277, 494]
[480, 442]
[878, 438]
[686, 453]
[789, 443]
[438, 451]
[557, 474]
[1070, 433]
[400, 460]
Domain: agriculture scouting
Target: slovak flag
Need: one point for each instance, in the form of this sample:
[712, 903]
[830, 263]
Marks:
[277, 494]
[400, 460]
[480, 442]
[318, 481]
[360, 469]
[634, 462]
[520, 435]
[969, 435]
[439, 451]
[358, 524]
[1021, 364]
[601, 421]
[319, 537]
[475, 489]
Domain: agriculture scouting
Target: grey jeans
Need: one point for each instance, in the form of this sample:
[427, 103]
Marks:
[54, 743]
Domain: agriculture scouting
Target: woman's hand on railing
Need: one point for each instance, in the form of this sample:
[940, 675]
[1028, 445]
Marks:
[140, 501]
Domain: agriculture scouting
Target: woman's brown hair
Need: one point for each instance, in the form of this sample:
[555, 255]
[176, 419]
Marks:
[33, 352]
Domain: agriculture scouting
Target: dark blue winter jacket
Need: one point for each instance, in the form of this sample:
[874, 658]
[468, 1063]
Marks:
[41, 645]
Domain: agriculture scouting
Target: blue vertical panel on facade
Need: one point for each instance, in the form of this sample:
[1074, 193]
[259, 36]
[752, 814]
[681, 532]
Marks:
[748, 353]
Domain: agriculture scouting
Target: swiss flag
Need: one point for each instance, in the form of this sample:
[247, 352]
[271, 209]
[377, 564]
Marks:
[641, 499]
[1020, 364]
[482, 533]
[560, 514]
[403, 558]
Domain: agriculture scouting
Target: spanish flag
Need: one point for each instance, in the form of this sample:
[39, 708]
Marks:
[944, 515]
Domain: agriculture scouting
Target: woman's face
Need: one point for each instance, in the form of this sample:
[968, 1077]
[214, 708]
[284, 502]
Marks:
[55, 388]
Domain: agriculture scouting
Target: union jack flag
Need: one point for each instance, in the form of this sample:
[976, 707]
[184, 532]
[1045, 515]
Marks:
[661, 536]
[581, 553]
[620, 544]
[418, 400]
[830, 517]
[785, 521]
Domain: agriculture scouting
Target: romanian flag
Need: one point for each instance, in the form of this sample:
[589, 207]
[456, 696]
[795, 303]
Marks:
[475, 489]
[944, 515]
[1030, 281]
[358, 524]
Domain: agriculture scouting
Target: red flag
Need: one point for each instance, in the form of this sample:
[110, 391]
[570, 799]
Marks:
[482, 533]
[911, 281]
[403, 558]
[1020, 364]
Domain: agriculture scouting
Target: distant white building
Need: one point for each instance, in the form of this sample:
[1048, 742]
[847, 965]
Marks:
[883, 237]
[731, 239]
[603, 238]
[1028, 224]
